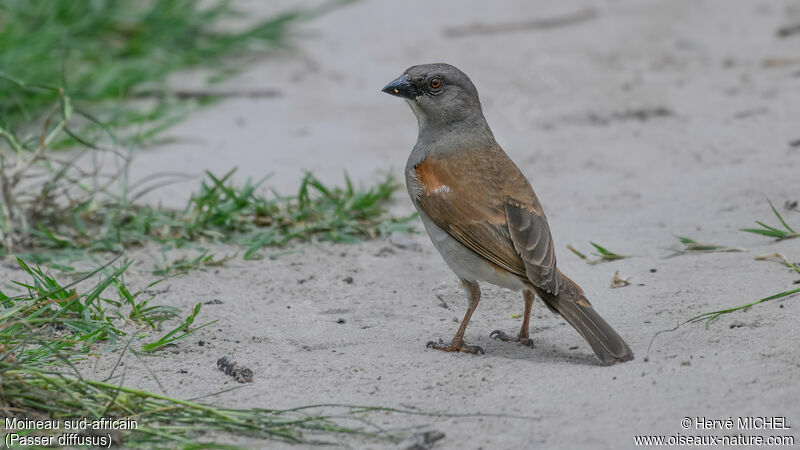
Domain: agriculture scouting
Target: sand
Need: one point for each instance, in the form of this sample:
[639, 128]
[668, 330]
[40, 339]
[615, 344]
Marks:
[646, 120]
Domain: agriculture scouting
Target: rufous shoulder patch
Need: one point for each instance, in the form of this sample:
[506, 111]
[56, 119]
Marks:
[430, 177]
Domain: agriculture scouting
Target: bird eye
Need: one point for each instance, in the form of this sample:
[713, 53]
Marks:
[435, 83]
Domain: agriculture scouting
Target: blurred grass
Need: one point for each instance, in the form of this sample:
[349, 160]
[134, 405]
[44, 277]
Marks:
[104, 51]
[692, 246]
[602, 253]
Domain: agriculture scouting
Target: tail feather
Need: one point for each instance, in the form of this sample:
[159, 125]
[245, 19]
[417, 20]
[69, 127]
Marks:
[573, 306]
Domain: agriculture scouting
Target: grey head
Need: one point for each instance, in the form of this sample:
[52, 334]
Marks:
[441, 96]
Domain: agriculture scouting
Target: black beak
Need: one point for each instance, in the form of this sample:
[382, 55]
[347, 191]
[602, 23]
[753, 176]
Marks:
[402, 87]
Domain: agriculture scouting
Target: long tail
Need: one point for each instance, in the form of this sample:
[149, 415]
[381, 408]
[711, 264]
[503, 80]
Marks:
[573, 305]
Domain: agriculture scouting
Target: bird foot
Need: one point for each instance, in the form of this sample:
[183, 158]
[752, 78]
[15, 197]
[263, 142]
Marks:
[455, 347]
[501, 336]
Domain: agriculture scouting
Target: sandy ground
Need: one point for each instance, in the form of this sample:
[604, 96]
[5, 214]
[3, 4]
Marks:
[647, 120]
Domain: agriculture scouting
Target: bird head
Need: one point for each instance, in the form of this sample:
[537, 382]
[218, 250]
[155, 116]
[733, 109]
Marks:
[439, 94]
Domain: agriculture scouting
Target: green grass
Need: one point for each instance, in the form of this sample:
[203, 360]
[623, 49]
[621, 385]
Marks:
[714, 315]
[779, 234]
[185, 264]
[603, 254]
[692, 246]
[180, 332]
[104, 51]
[141, 312]
[61, 60]
[113, 51]
[219, 212]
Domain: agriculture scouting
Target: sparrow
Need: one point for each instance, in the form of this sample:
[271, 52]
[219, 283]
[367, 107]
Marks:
[481, 212]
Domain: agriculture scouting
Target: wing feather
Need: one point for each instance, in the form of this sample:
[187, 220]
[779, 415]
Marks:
[531, 237]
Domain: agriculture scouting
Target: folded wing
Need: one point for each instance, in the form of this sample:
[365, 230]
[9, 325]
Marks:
[489, 206]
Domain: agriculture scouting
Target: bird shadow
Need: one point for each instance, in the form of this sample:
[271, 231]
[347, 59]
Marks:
[541, 352]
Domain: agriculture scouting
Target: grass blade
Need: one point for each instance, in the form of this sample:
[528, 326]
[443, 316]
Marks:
[603, 254]
[692, 246]
[180, 332]
[786, 225]
[770, 231]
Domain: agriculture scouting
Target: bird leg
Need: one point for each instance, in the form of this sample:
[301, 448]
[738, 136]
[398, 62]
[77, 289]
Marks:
[523, 337]
[457, 344]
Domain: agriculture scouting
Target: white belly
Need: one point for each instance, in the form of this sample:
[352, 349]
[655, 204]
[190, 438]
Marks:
[467, 264]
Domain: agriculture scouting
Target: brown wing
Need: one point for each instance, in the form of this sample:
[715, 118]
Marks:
[531, 236]
[484, 201]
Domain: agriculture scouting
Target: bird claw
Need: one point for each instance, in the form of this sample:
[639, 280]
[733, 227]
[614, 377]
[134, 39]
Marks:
[474, 349]
[464, 348]
[502, 336]
[434, 345]
[527, 342]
